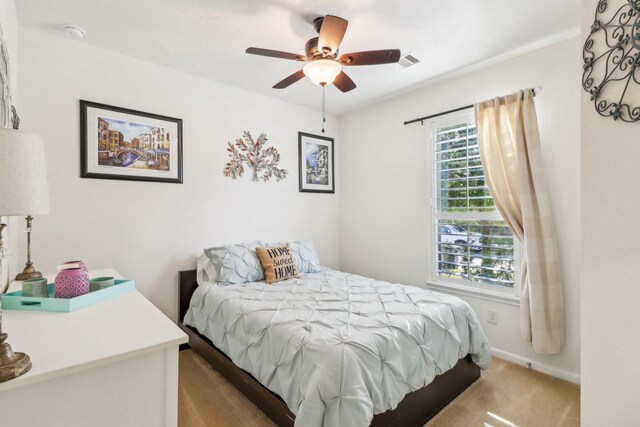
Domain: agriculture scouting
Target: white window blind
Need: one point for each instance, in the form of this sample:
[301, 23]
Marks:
[471, 243]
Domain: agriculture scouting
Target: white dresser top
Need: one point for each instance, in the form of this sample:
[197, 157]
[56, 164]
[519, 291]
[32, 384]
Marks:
[62, 343]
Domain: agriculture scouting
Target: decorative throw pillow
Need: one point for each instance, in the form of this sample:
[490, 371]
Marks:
[278, 263]
[304, 253]
[237, 263]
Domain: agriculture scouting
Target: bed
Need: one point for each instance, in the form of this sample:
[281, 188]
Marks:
[341, 349]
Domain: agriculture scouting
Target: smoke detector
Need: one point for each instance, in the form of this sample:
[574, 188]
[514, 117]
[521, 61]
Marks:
[73, 31]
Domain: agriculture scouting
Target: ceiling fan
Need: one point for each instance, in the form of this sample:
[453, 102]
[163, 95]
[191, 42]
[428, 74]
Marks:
[324, 66]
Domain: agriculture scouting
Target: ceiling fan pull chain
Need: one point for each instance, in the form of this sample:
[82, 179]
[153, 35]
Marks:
[323, 101]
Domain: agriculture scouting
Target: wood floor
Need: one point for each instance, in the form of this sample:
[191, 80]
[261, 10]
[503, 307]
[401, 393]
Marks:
[507, 395]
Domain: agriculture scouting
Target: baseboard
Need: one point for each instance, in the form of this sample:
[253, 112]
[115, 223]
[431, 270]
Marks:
[537, 366]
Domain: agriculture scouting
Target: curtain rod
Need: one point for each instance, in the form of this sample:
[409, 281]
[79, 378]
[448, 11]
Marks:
[455, 110]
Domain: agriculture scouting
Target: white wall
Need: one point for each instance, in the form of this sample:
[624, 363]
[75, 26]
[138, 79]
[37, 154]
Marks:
[150, 231]
[610, 288]
[9, 26]
[384, 197]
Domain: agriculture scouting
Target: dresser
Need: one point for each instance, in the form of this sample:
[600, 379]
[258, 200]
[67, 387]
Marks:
[114, 363]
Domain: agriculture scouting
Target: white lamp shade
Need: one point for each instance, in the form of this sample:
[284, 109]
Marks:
[322, 71]
[23, 175]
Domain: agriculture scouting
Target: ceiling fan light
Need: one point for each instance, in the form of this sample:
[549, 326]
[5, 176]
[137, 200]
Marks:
[322, 71]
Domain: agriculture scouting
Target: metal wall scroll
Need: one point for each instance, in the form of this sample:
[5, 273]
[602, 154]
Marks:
[611, 57]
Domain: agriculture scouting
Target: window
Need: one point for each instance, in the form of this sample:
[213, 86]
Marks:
[471, 245]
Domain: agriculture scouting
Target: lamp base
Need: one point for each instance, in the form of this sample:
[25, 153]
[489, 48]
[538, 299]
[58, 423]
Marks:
[12, 365]
[29, 273]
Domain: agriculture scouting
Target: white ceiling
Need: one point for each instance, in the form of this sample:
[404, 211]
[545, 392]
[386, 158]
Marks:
[208, 37]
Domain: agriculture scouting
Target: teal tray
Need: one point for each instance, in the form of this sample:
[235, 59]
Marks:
[15, 300]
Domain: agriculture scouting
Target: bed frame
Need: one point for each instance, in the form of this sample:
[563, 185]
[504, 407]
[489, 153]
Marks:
[414, 410]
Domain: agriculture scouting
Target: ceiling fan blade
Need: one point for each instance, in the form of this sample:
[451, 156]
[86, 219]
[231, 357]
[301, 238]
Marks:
[331, 34]
[344, 82]
[276, 54]
[288, 81]
[371, 57]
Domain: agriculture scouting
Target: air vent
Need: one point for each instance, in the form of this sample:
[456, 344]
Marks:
[406, 61]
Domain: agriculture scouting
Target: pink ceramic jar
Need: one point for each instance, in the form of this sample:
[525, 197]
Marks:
[73, 264]
[71, 282]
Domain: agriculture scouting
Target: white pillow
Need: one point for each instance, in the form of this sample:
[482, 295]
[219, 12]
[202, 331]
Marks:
[307, 257]
[205, 271]
[236, 263]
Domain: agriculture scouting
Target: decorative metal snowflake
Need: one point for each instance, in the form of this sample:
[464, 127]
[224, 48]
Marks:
[254, 155]
[611, 57]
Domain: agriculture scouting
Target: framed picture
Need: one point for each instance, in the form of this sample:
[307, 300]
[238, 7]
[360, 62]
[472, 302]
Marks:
[118, 143]
[316, 163]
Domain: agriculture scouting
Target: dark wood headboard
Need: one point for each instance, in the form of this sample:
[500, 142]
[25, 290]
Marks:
[188, 285]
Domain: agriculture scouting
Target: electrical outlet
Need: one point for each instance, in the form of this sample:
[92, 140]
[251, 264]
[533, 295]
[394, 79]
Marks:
[492, 317]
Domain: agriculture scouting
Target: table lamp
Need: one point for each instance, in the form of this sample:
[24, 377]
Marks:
[23, 191]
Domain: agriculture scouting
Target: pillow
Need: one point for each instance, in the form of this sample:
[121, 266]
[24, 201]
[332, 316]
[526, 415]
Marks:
[205, 270]
[237, 263]
[307, 258]
[278, 263]
[304, 253]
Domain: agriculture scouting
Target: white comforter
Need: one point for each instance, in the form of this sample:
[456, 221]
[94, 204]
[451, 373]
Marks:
[338, 348]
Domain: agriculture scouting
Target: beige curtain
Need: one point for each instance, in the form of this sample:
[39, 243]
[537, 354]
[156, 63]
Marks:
[510, 153]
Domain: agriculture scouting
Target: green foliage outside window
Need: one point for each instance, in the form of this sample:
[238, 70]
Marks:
[471, 249]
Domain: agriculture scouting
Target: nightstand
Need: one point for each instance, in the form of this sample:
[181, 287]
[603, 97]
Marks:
[114, 363]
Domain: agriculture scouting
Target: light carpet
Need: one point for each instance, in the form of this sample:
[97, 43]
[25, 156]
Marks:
[507, 395]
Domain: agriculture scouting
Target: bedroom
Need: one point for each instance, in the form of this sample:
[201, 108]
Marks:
[378, 223]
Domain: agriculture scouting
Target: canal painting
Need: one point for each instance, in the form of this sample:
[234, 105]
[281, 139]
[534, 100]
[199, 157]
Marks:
[133, 145]
[118, 143]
